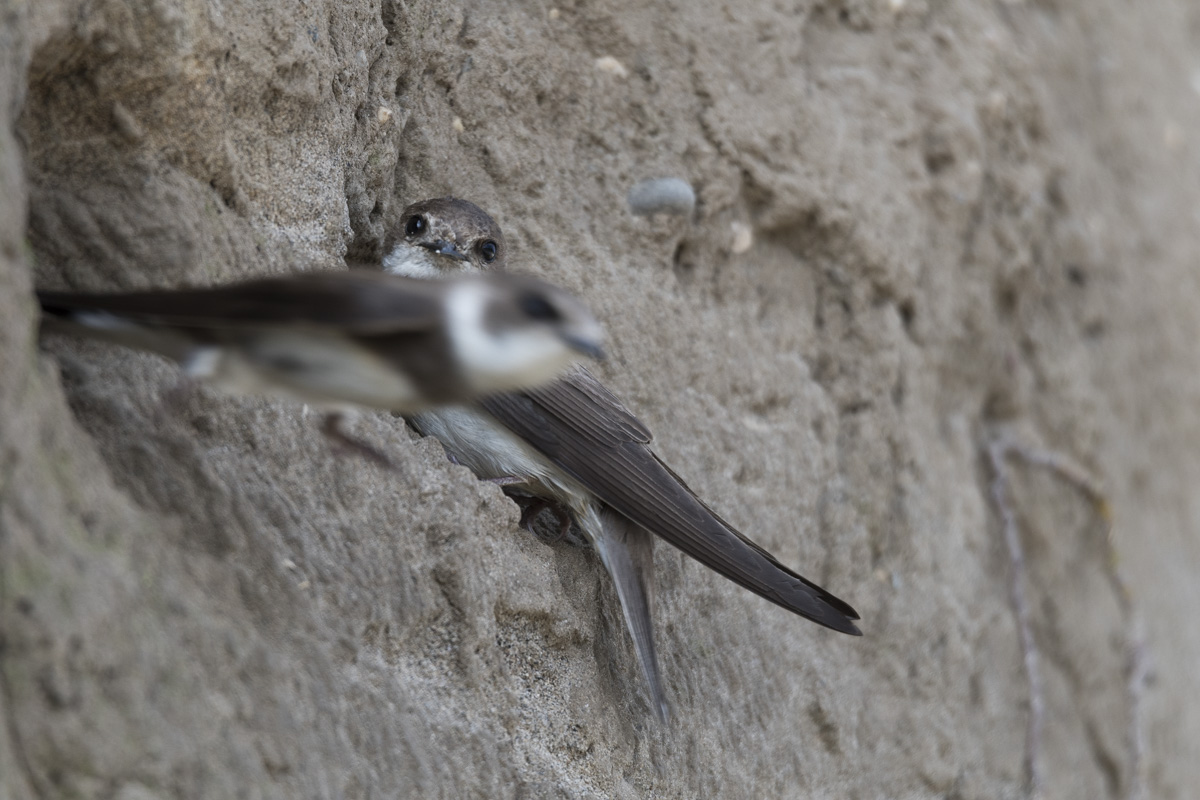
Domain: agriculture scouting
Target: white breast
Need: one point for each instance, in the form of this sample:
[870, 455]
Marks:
[478, 442]
[492, 451]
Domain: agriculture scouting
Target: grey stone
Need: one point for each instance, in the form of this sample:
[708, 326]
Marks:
[662, 196]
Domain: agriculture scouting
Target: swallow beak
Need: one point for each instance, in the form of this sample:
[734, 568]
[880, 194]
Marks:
[444, 248]
[587, 347]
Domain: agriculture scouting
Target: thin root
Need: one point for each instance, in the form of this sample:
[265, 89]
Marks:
[1137, 653]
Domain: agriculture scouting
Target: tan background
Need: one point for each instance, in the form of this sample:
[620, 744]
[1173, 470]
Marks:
[968, 218]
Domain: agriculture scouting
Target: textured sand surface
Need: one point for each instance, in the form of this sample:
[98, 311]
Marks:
[918, 226]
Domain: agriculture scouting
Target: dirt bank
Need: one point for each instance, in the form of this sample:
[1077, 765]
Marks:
[968, 223]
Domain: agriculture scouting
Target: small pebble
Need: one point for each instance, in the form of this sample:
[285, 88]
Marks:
[756, 424]
[383, 114]
[743, 237]
[457, 124]
[662, 196]
[554, 13]
[895, 5]
[611, 66]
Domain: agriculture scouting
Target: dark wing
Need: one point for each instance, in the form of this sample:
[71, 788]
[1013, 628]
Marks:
[357, 302]
[584, 407]
[583, 429]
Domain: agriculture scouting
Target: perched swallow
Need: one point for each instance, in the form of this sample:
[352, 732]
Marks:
[571, 447]
[346, 340]
[443, 237]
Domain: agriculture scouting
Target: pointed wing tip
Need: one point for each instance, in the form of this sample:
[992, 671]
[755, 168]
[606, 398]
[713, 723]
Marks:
[838, 605]
[840, 619]
[839, 623]
[829, 610]
[845, 623]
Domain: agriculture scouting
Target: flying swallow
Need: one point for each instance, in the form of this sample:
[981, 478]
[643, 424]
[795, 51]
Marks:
[572, 447]
[348, 340]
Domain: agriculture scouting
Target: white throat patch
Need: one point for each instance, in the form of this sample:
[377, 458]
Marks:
[500, 360]
[411, 261]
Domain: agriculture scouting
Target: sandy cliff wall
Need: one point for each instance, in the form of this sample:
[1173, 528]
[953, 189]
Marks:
[969, 221]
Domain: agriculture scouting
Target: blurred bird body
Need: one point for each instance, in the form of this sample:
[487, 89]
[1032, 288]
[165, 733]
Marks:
[347, 339]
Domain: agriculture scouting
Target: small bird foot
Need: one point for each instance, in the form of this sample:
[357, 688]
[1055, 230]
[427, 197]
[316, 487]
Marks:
[507, 480]
[341, 441]
[532, 508]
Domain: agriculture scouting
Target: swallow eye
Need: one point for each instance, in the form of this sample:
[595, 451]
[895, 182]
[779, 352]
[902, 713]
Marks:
[538, 308]
[415, 226]
[488, 250]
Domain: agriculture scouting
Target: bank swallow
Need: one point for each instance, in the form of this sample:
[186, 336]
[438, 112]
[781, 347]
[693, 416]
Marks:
[572, 448]
[348, 340]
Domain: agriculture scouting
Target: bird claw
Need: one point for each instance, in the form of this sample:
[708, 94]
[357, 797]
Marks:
[508, 480]
[532, 508]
